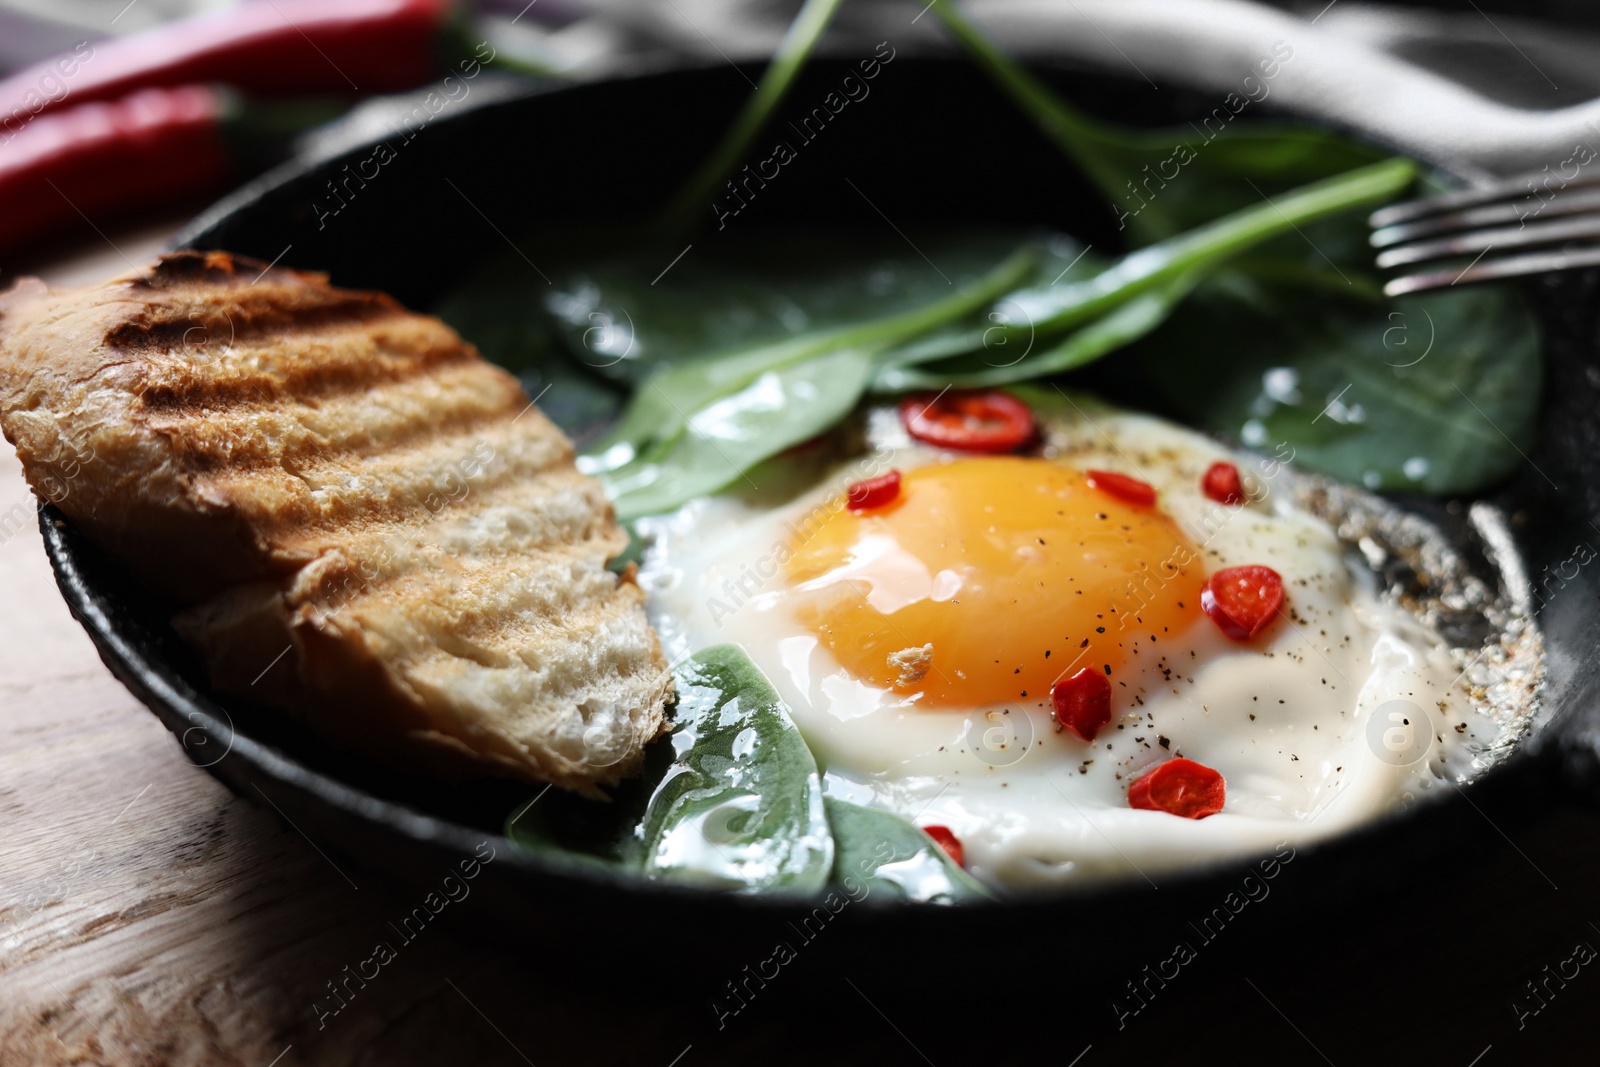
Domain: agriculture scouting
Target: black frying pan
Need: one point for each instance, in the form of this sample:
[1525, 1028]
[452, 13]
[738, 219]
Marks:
[933, 134]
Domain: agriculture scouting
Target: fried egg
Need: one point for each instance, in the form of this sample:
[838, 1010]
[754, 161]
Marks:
[916, 645]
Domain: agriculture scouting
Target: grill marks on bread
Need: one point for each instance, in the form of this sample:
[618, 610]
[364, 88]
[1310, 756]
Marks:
[323, 469]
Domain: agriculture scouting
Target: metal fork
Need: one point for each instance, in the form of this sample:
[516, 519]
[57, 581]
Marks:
[1529, 227]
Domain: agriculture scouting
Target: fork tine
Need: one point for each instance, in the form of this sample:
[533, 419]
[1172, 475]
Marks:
[1511, 188]
[1578, 203]
[1509, 238]
[1495, 269]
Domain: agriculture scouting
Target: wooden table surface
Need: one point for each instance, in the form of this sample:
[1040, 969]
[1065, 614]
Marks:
[149, 917]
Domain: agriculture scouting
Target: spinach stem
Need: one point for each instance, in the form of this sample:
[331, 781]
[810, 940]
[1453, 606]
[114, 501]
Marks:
[700, 190]
[1074, 133]
[895, 330]
[1217, 241]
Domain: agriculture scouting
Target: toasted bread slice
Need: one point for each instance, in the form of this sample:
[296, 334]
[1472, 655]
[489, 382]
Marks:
[373, 527]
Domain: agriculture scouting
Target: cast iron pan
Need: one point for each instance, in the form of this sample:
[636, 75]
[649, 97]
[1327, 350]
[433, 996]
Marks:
[934, 143]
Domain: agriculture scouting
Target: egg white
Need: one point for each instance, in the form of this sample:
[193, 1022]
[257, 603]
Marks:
[1284, 718]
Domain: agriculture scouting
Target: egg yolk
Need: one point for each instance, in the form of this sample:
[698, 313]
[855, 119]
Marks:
[989, 578]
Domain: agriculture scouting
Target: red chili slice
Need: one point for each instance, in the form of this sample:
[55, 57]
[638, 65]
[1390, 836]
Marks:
[949, 842]
[1222, 484]
[1124, 488]
[1242, 600]
[1179, 787]
[874, 492]
[984, 420]
[1082, 702]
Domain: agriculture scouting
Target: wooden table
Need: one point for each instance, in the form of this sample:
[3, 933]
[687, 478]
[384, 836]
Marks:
[148, 917]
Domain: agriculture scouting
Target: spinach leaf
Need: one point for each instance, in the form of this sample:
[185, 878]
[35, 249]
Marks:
[742, 806]
[889, 855]
[698, 427]
[1435, 393]
[614, 311]
[491, 311]
[735, 801]
[781, 408]
[1120, 327]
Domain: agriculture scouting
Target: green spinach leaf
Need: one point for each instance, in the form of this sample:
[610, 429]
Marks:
[492, 312]
[1119, 327]
[725, 441]
[1436, 393]
[616, 312]
[698, 427]
[742, 806]
[889, 855]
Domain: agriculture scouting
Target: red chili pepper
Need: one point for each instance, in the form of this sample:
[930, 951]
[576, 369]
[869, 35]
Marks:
[154, 146]
[949, 842]
[1179, 787]
[1242, 600]
[984, 420]
[1127, 489]
[1222, 484]
[1082, 702]
[277, 48]
[874, 492]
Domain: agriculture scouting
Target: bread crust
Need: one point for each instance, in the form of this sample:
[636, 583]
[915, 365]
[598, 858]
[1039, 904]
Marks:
[324, 477]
